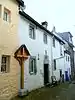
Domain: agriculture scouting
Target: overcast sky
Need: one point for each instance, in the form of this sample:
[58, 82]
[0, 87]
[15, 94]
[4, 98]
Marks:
[58, 13]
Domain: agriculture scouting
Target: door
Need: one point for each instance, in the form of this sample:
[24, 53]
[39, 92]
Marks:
[46, 74]
[66, 76]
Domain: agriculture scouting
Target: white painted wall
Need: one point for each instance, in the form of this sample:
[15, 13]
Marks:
[34, 46]
[67, 64]
[59, 59]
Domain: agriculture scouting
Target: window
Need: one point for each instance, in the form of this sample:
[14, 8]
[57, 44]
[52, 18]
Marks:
[61, 49]
[54, 64]
[7, 15]
[31, 32]
[5, 63]
[66, 58]
[53, 42]
[45, 38]
[32, 66]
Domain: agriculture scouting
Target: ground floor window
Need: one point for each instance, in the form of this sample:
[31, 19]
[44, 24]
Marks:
[32, 65]
[5, 63]
[54, 64]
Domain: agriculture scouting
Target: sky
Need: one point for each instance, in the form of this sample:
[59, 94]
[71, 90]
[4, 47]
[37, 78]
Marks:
[58, 13]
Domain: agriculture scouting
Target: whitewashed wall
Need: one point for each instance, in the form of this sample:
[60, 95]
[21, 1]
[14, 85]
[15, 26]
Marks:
[59, 59]
[35, 47]
[68, 64]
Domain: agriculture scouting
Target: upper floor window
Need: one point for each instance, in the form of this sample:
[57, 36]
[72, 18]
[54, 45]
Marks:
[5, 63]
[45, 38]
[32, 65]
[7, 15]
[53, 42]
[61, 53]
[68, 59]
[31, 32]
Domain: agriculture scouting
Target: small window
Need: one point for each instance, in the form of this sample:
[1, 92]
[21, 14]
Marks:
[66, 58]
[5, 64]
[31, 32]
[45, 38]
[54, 64]
[61, 49]
[53, 42]
[7, 15]
[32, 66]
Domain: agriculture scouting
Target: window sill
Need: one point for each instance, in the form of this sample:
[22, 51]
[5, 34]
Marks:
[32, 73]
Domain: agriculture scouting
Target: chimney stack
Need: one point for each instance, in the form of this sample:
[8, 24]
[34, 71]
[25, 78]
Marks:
[45, 24]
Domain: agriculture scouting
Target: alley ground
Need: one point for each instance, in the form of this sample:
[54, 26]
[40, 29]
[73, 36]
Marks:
[64, 91]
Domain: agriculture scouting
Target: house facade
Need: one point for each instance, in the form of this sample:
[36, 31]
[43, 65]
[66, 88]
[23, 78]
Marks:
[62, 67]
[67, 36]
[58, 57]
[8, 44]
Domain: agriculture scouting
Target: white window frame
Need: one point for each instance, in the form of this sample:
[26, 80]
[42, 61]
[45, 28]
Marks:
[45, 38]
[32, 32]
[34, 66]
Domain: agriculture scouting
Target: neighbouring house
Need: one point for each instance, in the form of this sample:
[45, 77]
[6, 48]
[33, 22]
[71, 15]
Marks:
[67, 36]
[61, 66]
[8, 44]
[67, 65]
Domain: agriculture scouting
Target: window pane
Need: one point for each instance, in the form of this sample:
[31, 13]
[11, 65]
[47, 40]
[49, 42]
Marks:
[3, 68]
[31, 32]
[7, 15]
[3, 59]
[45, 38]
[53, 42]
[32, 65]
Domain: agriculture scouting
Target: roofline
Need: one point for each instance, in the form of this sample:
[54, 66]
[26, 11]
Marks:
[22, 13]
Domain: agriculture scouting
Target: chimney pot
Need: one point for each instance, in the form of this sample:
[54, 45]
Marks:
[44, 24]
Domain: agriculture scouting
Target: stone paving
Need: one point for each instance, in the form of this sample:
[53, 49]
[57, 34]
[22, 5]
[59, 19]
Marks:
[65, 91]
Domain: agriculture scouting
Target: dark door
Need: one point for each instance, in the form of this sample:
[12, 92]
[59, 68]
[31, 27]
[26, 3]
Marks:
[66, 76]
[46, 74]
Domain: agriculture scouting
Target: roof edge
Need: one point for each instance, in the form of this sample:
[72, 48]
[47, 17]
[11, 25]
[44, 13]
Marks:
[22, 13]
